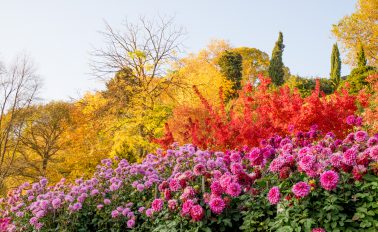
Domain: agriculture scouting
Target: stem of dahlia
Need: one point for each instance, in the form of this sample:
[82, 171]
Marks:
[203, 184]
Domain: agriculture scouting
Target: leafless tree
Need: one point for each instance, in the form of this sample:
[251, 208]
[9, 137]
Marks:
[146, 50]
[18, 88]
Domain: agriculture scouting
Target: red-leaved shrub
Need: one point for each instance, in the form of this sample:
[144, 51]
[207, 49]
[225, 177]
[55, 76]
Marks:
[260, 112]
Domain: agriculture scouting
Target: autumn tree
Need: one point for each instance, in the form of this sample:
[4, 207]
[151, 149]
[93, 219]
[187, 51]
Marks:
[357, 78]
[41, 143]
[18, 89]
[90, 135]
[276, 66]
[255, 62]
[136, 64]
[335, 66]
[360, 27]
[200, 69]
[230, 64]
[146, 49]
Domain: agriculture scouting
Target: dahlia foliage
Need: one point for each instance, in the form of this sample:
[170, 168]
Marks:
[273, 187]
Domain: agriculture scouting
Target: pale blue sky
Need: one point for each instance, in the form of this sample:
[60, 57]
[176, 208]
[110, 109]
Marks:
[58, 35]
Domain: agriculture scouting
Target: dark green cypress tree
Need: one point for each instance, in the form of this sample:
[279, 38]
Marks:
[230, 64]
[276, 66]
[358, 75]
[361, 59]
[335, 65]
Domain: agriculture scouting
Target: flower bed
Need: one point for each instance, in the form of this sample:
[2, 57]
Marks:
[303, 182]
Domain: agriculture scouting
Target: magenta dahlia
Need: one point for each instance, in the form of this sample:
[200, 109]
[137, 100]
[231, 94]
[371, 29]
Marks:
[174, 185]
[374, 153]
[197, 213]
[350, 156]
[301, 189]
[361, 136]
[233, 189]
[199, 169]
[306, 162]
[216, 188]
[318, 230]
[172, 204]
[329, 180]
[217, 205]
[186, 207]
[157, 205]
[274, 195]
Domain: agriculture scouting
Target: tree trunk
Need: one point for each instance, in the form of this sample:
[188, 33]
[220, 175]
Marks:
[44, 166]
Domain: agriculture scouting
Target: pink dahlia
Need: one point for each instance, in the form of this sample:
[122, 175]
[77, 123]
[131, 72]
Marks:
[186, 207]
[115, 213]
[256, 157]
[217, 174]
[306, 162]
[167, 194]
[94, 192]
[172, 204]
[197, 213]
[199, 169]
[5, 224]
[301, 189]
[274, 195]
[207, 197]
[235, 157]
[149, 212]
[164, 185]
[107, 202]
[124, 211]
[350, 156]
[351, 120]
[225, 180]
[217, 205]
[336, 160]
[233, 189]
[318, 230]
[157, 205]
[236, 168]
[284, 172]
[329, 180]
[131, 223]
[358, 121]
[188, 193]
[216, 188]
[361, 136]
[372, 141]
[374, 153]
[276, 164]
[174, 185]
[56, 203]
[358, 172]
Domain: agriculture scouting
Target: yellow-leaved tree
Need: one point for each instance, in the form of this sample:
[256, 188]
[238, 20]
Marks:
[89, 138]
[361, 27]
[200, 70]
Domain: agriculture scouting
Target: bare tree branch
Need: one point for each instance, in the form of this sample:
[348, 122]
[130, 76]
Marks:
[18, 89]
[148, 48]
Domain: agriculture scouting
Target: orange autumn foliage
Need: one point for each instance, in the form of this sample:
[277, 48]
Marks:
[370, 115]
